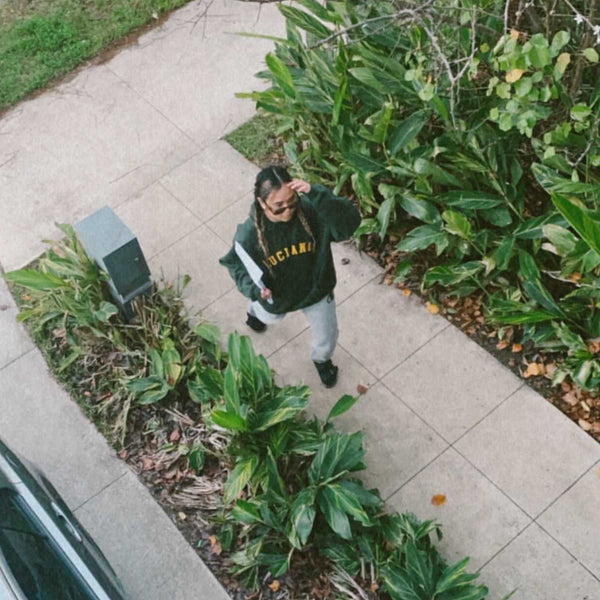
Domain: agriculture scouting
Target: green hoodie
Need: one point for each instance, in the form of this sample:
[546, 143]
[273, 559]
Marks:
[299, 269]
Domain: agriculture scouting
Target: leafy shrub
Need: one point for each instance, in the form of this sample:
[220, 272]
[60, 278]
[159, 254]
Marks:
[474, 147]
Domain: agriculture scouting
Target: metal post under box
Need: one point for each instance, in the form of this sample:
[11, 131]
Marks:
[109, 242]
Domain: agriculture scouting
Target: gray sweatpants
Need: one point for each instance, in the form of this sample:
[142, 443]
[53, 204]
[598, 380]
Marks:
[323, 323]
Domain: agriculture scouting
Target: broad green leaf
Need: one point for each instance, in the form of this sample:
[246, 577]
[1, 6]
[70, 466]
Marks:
[319, 10]
[534, 228]
[470, 200]
[399, 584]
[211, 381]
[230, 390]
[363, 162]
[437, 174]
[275, 483]
[302, 517]
[407, 131]
[69, 359]
[239, 477]
[34, 280]
[196, 458]
[364, 497]
[422, 237]
[287, 409]
[451, 275]
[282, 74]
[504, 253]
[337, 453]
[228, 420]
[559, 41]
[345, 403]
[337, 519]
[304, 21]
[277, 564]
[209, 332]
[500, 216]
[580, 220]
[106, 311]
[539, 56]
[457, 224]
[418, 564]
[527, 267]
[418, 208]
[580, 112]
[562, 239]
[427, 92]
[367, 77]
[247, 512]
[345, 501]
[384, 215]
[523, 318]
[562, 62]
[591, 55]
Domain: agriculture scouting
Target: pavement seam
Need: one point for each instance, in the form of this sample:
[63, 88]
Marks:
[567, 551]
[487, 562]
[157, 254]
[14, 360]
[567, 489]
[154, 107]
[493, 410]
[74, 510]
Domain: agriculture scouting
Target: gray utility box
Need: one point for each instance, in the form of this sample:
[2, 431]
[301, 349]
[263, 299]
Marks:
[109, 242]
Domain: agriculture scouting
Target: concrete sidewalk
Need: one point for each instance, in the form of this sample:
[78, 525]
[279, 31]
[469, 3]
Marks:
[142, 134]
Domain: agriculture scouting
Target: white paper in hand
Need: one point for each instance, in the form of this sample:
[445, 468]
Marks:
[253, 269]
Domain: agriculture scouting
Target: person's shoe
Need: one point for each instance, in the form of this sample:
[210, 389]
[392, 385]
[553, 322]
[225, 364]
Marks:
[328, 373]
[255, 323]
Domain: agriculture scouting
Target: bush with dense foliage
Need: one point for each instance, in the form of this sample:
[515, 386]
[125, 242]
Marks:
[292, 486]
[468, 131]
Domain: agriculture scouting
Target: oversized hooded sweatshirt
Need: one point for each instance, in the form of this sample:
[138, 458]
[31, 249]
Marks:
[299, 267]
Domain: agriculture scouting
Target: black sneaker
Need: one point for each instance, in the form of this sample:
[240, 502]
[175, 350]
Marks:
[255, 323]
[328, 373]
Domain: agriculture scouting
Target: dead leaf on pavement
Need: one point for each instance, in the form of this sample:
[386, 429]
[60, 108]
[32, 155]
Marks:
[585, 425]
[345, 261]
[438, 500]
[434, 309]
[501, 345]
[361, 389]
[274, 585]
[406, 292]
[516, 348]
[215, 546]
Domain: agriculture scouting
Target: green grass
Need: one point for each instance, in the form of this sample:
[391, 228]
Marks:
[43, 39]
[258, 141]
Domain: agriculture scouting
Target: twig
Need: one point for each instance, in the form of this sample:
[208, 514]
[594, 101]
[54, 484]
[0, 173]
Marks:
[395, 16]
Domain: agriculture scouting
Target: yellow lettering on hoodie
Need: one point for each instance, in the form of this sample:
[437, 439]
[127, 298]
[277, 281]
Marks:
[294, 251]
[302, 249]
[272, 260]
[287, 252]
[280, 256]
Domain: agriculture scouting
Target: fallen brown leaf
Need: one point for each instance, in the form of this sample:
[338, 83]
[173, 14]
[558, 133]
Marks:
[147, 463]
[575, 277]
[361, 389]
[501, 345]
[514, 75]
[550, 370]
[182, 516]
[516, 348]
[406, 292]
[438, 500]
[374, 587]
[274, 585]
[123, 454]
[175, 435]
[514, 34]
[533, 369]
[215, 546]
[345, 261]
[585, 425]
[570, 398]
[434, 309]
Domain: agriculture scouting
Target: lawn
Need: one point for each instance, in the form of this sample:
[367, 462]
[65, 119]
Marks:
[41, 40]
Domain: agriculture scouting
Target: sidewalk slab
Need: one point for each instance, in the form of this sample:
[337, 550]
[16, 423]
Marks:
[452, 383]
[224, 224]
[516, 447]
[157, 219]
[196, 255]
[89, 142]
[151, 558]
[229, 313]
[574, 520]
[477, 519]
[398, 443]
[212, 64]
[212, 180]
[353, 270]
[292, 365]
[539, 569]
[380, 344]
[41, 422]
[15, 341]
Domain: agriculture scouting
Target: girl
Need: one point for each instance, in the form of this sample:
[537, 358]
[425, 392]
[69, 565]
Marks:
[288, 235]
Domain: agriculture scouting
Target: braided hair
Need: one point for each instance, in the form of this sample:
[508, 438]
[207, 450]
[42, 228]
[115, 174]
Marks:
[269, 179]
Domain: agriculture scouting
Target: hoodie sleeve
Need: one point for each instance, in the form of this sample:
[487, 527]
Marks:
[238, 272]
[338, 214]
